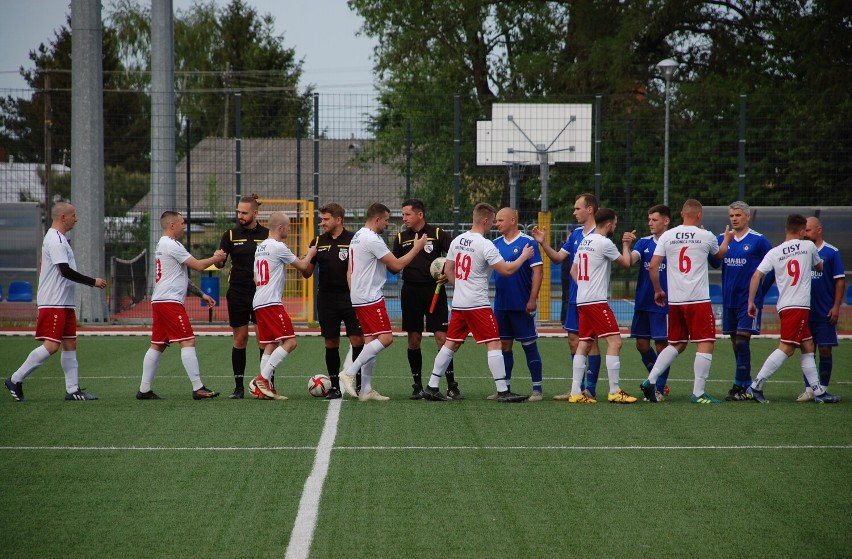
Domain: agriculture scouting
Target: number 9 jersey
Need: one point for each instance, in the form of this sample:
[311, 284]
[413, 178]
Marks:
[686, 248]
[473, 256]
[792, 262]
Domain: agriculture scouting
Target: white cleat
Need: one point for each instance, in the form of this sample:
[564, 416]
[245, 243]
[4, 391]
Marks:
[372, 395]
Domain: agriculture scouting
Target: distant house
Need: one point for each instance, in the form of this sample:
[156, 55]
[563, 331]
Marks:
[269, 167]
[22, 182]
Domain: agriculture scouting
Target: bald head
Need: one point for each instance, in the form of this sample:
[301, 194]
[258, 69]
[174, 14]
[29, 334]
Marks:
[691, 212]
[279, 225]
[507, 222]
[813, 230]
[63, 216]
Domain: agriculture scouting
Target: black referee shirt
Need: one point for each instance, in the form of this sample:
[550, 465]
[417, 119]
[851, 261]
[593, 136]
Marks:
[332, 259]
[240, 244]
[437, 244]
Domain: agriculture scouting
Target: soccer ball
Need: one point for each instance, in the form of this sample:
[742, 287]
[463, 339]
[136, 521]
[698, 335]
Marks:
[436, 268]
[319, 385]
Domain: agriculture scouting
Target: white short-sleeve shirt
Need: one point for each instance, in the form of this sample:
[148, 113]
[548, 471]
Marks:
[270, 262]
[369, 273]
[593, 260]
[792, 262]
[170, 273]
[473, 256]
[54, 291]
[686, 248]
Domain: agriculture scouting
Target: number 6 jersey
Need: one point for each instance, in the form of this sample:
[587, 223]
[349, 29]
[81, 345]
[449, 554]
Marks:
[792, 262]
[473, 256]
[686, 248]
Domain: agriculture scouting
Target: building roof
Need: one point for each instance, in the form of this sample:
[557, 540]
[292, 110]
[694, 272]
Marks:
[21, 182]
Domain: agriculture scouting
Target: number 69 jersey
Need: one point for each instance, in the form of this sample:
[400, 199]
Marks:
[473, 256]
[686, 248]
[270, 260]
[792, 262]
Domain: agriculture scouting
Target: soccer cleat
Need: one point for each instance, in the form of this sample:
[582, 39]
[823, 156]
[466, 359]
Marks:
[620, 397]
[826, 398]
[704, 399]
[204, 393]
[806, 396]
[266, 388]
[238, 393]
[80, 395]
[756, 395]
[582, 398]
[737, 393]
[333, 394]
[649, 391]
[491, 396]
[536, 396]
[150, 395]
[15, 389]
[348, 383]
[416, 392]
[509, 397]
[453, 392]
[433, 395]
[372, 395]
[660, 397]
[563, 397]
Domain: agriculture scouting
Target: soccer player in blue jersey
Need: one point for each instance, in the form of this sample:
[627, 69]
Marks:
[585, 206]
[745, 251]
[650, 321]
[827, 289]
[516, 299]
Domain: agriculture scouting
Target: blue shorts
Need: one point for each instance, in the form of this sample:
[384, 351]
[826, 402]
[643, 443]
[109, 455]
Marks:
[516, 325]
[572, 319]
[737, 320]
[650, 325]
[824, 333]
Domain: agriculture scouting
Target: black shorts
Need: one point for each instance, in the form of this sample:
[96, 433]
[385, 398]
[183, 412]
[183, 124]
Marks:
[240, 311]
[334, 308]
[415, 299]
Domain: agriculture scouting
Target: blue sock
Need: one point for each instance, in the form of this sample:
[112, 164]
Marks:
[648, 358]
[593, 373]
[743, 354]
[663, 380]
[825, 364]
[509, 360]
[534, 364]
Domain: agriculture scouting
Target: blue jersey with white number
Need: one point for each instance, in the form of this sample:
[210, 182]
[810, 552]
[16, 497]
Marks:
[513, 292]
[570, 246]
[644, 288]
[739, 265]
[822, 283]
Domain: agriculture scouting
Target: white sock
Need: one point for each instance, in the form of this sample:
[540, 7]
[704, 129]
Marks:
[613, 371]
[68, 359]
[370, 350]
[664, 360]
[264, 359]
[772, 364]
[498, 369]
[33, 361]
[367, 376]
[272, 361]
[809, 369]
[442, 361]
[190, 363]
[702, 372]
[578, 371]
[149, 369]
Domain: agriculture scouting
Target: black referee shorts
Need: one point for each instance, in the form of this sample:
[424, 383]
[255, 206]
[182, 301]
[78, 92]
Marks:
[415, 299]
[240, 311]
[334, 308]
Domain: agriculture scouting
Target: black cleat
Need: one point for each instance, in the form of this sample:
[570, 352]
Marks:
[333, 394]
[203, 393]
[453, 392]
[80, 395]
[147, 395]
[416, 392]
[15, 389]
[649, 390]
[510, 397]
[433, 394]
[737, 393]
[238, 393]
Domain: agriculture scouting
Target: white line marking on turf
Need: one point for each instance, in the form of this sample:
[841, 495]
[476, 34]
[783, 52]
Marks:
[323, 453]
[306, 519]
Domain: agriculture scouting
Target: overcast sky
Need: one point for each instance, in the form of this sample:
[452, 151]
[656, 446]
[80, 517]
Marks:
[323, 32]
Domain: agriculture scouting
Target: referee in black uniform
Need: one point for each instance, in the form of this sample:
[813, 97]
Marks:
[418, 287]
[333, 303]
[240, 244]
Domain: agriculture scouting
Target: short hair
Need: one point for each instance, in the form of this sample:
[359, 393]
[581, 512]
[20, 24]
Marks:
[661, 209]
[795, 223]
[59, 209]
[167, 218]
[482, 211]
[376, 209]
[692, 207]
[250, 199]
[336, 210]
[277, 218]
[604, 216]
[416, 204]
[588, 199]
[740, 205]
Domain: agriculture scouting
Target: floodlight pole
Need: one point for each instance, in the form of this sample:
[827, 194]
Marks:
[668, 67]
[514, 178]
[545, 175]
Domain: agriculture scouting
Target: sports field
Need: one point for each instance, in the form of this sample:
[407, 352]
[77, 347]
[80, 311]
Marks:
[226, 478]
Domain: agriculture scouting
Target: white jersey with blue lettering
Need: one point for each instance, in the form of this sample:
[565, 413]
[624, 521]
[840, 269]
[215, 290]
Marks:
[54, 291]
[473, 256]
[792, 262]
[686, 248]
[170, 272]
[270, 262]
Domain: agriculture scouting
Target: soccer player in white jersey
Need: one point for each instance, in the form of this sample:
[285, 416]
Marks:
[685, 249]
[170, 321]
[369, 260]
[57, 317]
[469, 263]
[274, 328]
[591, 271]
[792, 262]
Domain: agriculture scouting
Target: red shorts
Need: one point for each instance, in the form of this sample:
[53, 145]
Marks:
[273, 324]
[479, 322]
[171, 324]
[597, 321]
[692, 322]
[794, 326]
[374, 319]
[56, 324]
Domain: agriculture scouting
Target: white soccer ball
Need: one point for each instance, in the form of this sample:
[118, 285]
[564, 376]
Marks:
[436, 268]
[319, 385]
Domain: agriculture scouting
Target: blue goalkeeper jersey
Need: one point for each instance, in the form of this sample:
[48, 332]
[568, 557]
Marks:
[570, 246]
[822, 283]
[644, 288]
[513, 292]
[739, 265]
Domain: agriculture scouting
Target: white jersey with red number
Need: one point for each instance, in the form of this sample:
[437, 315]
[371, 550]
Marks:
[369, 273]
[686, 248]
[170, 273]
[54, 291]
[792, 262]
[593, 259]
[473, 256]
[270, 262]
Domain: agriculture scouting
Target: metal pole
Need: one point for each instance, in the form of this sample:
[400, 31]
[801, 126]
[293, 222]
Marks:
[598, 103]
[316, 162]
[238, 140]
[544, 171]
[188, 184]
[456, 161]
[48, 150]
[407, 159]
[742, 147]
[299, 159]
[666, 152]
